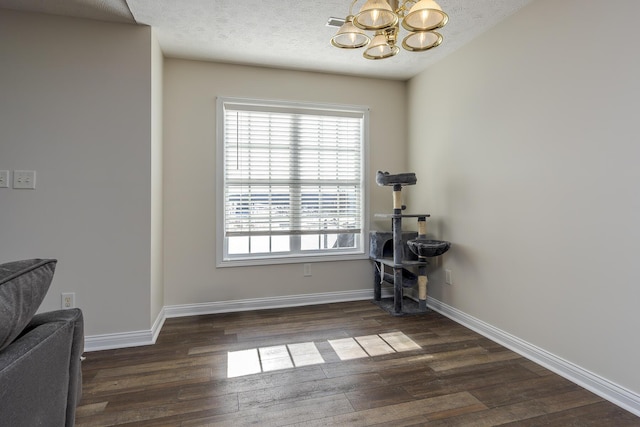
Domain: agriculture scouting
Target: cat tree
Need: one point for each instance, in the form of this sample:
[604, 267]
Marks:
[402, 262]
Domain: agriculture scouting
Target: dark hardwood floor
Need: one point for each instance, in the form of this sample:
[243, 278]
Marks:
[456, 378]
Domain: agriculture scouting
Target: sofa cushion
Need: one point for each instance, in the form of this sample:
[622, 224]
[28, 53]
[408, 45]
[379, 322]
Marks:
[23, 286]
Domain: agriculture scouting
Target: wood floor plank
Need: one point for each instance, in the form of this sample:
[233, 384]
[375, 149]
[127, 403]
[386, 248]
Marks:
[221, 404]
[526, 411]
[390, 413]
[245, 333]
[130, 400]
[148, 381]
[90, 409]
[372, 364]
[470, 357]
[446, 383]
[452, 377]
[523, 390]
[250, 383]
[174, 363]
[595, 415]
[373, 397]
[292, 392]
[300, 412]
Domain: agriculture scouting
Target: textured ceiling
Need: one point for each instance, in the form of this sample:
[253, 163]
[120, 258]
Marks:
[275, 33]
[102, 10]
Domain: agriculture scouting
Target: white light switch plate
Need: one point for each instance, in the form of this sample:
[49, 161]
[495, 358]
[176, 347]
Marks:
[4, 179]
[24, 179]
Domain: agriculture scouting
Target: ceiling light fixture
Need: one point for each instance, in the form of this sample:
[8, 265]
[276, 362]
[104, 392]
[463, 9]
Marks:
[383, 17]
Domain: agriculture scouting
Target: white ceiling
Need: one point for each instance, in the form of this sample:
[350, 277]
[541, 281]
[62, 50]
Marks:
[275, 33]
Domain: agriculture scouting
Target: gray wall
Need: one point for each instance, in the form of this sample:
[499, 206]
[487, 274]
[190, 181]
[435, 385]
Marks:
[190, 92]
[526, 144]
[75, 106]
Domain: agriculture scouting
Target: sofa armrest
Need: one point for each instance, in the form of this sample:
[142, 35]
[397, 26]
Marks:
[34, 376]
[74, 317]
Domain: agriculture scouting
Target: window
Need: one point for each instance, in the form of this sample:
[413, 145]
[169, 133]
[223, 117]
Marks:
[291, 181]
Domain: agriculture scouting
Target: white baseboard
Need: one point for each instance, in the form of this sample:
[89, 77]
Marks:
[125, 339]
[157, 325]
[266, 303]
[602, 387]
[140, 338]
[118, 340]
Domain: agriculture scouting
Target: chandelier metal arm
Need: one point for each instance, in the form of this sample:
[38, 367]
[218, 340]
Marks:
[403, 9]
[353, 3]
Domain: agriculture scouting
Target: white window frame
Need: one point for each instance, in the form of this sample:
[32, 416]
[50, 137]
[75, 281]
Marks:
[224, 260]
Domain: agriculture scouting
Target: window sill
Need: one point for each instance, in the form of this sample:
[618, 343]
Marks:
[294, 259]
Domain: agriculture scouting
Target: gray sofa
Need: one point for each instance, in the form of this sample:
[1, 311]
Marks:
[40, 372]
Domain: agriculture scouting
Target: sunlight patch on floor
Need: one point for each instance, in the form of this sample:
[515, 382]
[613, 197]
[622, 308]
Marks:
[347, 349]
[273, 358]
[243, 362]
[305, 354]
[399, 341]
[374, 345]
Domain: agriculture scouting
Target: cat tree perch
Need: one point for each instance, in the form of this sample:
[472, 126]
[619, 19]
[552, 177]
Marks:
[389, 250]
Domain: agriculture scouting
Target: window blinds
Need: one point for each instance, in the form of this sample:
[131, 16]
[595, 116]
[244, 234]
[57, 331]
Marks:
[292, 170]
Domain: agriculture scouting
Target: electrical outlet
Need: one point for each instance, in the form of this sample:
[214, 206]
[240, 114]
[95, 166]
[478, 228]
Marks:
[307, 270]
[4, 179]
[24, 179]
[68, 300]
[447, 277]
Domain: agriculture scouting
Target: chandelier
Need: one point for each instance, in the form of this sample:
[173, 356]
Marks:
[419, 17]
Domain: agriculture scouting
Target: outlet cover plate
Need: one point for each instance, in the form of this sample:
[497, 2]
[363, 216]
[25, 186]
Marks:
[68, 300]
[4, 179]
[24, 180]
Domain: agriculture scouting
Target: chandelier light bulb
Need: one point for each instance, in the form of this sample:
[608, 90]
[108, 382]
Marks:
[421, 41]
[375, 15]
[380, 48]
[350, 37]
[425, 15]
